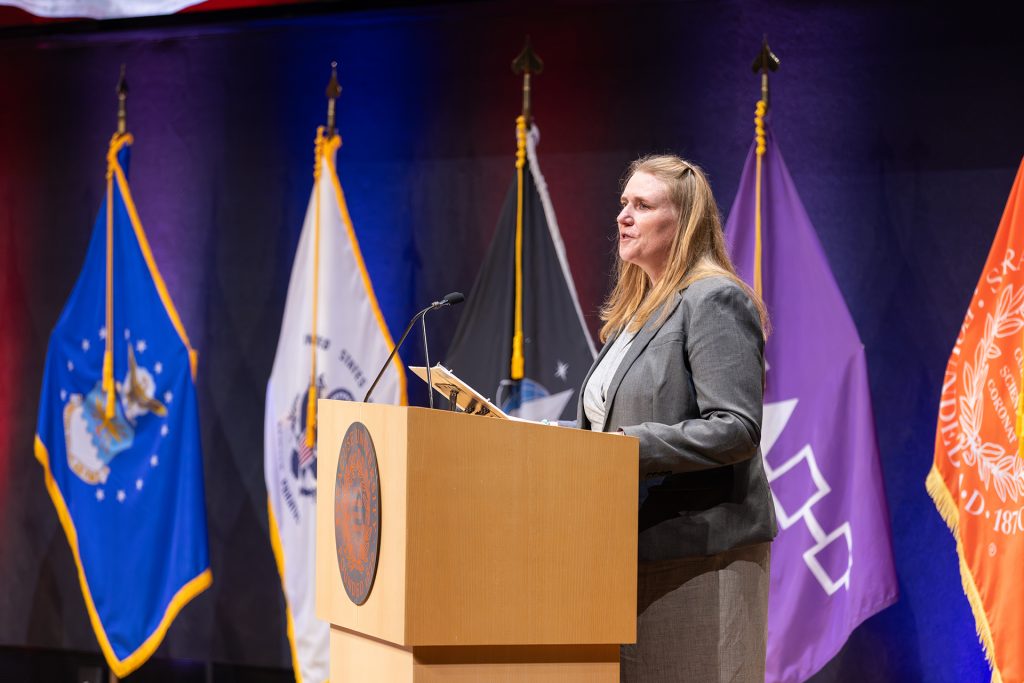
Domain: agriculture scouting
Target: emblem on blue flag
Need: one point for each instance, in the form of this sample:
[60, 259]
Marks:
[118, 436]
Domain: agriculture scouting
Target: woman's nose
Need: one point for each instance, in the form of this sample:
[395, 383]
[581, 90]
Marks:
[623, 217]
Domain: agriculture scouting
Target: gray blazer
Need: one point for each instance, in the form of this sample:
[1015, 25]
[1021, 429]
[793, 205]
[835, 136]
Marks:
[691, 389]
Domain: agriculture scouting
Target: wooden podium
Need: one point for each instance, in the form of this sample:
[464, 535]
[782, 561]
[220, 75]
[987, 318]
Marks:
[507, 550]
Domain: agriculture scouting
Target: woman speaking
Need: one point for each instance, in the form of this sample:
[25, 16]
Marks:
[682, 370]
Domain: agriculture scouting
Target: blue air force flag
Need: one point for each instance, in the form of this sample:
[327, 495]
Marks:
[333, 339]
[118, 437]
[531, 298]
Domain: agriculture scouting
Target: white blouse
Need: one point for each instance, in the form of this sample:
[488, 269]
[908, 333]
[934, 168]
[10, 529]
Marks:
[595, 394]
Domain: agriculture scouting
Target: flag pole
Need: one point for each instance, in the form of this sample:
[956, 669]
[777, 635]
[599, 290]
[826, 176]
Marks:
[764, 62]
[107, 379]
[122, 103]
[333, 93]
[108, 352]
[323, 134]
[526, 63]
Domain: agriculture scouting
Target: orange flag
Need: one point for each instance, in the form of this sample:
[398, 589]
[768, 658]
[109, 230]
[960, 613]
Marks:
[977, 479]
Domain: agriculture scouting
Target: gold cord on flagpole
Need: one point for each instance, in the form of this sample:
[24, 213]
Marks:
[108, 353]
[765, 62]
[313, 342]
[518, 359]
[759, 113]
[526, 63]
[119, 139]
[324, 134]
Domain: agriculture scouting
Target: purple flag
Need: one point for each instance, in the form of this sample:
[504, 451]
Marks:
[832, 564]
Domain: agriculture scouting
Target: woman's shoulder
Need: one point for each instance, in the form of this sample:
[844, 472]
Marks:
[715, 286]
[719, 297]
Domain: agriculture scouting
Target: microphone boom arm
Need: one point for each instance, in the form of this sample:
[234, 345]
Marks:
[395, 350]
[448, 300]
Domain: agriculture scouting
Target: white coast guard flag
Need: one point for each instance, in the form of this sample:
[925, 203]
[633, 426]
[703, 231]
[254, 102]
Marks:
[334, 339]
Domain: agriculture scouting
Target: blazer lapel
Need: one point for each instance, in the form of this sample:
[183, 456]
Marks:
[580, 416]
[643, 338]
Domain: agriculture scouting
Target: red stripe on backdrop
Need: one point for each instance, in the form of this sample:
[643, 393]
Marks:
[11, 352]
[24, 142]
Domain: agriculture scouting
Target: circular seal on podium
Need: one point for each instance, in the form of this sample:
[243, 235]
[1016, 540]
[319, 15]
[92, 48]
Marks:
[357, 512]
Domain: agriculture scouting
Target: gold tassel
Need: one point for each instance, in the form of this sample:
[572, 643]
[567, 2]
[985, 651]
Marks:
[759, 136]
[518, 360]
[108, 353]
[314, 342]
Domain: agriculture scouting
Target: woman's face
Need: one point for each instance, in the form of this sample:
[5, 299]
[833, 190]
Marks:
[647, 224]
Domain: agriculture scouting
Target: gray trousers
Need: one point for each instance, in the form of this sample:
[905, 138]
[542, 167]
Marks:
[701, 619]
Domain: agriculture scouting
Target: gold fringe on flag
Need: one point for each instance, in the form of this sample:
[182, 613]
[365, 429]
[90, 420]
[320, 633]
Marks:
[1020, 412]
[950, 513]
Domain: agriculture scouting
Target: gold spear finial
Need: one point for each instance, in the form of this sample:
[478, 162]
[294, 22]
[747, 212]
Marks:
[333, 93]
[527, 63]
[122, 103]
[764, 62]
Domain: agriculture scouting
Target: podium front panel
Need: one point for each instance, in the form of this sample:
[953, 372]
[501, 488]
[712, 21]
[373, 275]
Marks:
[519, 533]
[383, 614]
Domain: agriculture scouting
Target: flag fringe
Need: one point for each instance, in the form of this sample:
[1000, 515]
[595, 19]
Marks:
[947, 507]
[184, 595]
[278, 548]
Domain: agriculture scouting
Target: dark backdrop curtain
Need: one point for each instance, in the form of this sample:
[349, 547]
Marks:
[900, 124]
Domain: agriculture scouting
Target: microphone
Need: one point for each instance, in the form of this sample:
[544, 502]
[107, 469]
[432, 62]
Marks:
[450, 299]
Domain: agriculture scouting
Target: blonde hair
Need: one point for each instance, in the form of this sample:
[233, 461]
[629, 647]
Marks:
[697, 251]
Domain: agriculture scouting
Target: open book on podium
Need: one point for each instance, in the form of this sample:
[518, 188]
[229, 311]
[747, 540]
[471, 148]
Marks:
[461, 397]
[456, 547]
